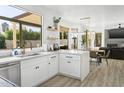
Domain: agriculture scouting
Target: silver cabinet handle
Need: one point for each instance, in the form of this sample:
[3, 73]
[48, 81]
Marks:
[68, 56]
[37, 67]
[68, 61]
[53, 57]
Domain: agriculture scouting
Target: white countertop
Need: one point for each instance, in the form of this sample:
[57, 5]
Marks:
[72, 51]
[40, 54]
[9, 59]
[23, 57]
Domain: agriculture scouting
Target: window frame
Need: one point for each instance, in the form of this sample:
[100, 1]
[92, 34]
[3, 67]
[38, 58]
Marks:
[20, 27]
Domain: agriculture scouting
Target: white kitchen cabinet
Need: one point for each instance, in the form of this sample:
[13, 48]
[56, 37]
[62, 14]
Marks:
[41, 72]
[70, 64]
[34, 71]
[27, 78]
[74, 65]
[37, 70]
[53, 65]
[85, 65]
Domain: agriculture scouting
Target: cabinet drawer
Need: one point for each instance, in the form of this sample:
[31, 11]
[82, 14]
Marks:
[70, 56]
[70, 67]
[32, 62]
[54, 56]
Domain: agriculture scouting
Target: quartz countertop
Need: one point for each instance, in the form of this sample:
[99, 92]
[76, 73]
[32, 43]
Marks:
[9, 59]
[39, 54]
[23, 57]
[72, 51]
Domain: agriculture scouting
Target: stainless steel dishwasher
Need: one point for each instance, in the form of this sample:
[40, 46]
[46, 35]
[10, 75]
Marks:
[11, 72]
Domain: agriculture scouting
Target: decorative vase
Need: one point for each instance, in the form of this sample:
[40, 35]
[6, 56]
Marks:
[56, 25]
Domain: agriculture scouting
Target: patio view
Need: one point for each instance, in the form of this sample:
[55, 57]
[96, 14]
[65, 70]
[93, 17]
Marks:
[19, 30]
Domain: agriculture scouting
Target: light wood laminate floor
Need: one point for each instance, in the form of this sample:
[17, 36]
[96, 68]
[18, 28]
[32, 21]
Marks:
[99, 76]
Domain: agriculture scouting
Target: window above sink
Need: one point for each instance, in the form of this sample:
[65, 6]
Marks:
[19, 29]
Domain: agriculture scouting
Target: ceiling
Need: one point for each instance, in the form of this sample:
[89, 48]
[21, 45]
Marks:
[98, 13]
[73, 13]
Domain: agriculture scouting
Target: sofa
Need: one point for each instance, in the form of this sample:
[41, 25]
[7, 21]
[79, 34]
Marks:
[115, 53]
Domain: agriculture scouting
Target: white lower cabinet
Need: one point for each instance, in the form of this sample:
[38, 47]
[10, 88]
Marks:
[41, 72]
[37, 70]
[53, 65]
[69, 65]
[74, 65]
[34, 71]
[27, 78]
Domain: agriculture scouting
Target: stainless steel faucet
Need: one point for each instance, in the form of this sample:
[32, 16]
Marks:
[30, 45]
[23, 51]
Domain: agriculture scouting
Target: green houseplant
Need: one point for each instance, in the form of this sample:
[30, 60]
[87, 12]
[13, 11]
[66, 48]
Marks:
[56, 21]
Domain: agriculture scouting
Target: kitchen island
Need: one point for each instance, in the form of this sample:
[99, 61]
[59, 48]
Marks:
[74, 63]
[39, 67]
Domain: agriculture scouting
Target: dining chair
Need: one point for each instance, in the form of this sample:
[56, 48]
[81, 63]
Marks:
[96, 56]
[106, 56]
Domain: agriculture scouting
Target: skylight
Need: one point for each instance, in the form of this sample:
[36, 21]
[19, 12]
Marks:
[9, 11]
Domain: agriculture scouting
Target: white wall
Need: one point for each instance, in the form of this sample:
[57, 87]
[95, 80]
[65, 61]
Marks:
[114, 14]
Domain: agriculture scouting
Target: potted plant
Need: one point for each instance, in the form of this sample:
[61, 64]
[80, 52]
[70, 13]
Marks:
[56, 21]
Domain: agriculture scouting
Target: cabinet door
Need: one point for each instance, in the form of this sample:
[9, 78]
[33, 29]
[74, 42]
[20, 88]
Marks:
[75, 68]
[41, 71]
[34, 71]
[70, 65]
[85, 65]
[27, 77]
[53, 65]
[64, 66]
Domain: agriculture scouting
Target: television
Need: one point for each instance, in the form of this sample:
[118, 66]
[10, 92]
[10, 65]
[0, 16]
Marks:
[116, 33]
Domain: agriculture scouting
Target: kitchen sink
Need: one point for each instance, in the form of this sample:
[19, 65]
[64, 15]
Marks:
[27, 55]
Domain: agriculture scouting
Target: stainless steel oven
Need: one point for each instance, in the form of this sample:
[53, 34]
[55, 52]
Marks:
[11, 72]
